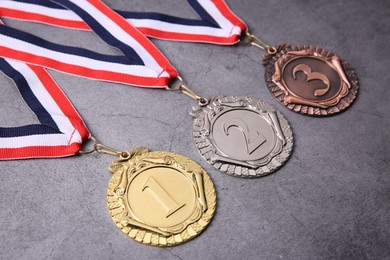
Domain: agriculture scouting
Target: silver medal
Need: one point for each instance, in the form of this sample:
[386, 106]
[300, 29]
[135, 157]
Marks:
[242, 136]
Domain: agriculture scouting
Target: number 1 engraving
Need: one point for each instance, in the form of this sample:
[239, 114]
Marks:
[162, 196]
[251, 144]
[313, 76]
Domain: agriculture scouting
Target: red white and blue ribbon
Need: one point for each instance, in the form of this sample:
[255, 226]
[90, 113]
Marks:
[141, 65]
[217, 23]
[61, 130]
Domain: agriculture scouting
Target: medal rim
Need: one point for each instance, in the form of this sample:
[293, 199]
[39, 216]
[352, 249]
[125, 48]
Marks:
[341, 101]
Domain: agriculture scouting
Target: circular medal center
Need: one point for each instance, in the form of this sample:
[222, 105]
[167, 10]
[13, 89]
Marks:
[161, 197]
[311, 78]
[243, 135]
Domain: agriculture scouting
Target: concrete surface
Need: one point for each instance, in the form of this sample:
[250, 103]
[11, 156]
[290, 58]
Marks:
[330, 201]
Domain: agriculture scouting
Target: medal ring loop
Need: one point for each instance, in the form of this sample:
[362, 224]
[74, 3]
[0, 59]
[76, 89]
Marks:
[271, 50]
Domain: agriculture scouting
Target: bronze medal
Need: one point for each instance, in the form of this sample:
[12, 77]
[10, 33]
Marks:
[310, 80]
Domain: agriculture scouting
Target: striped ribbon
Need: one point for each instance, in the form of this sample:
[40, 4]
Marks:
[217, 23]
[61, 130]
[142, 63]
[25, 57]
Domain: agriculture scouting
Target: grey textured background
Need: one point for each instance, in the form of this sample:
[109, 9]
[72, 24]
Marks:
[330, 201]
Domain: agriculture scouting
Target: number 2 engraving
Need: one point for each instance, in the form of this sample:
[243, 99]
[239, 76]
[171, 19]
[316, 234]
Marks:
[162, 196]
[313, 76]
[251, 143]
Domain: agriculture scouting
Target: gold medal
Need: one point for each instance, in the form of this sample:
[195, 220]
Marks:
[160, 198]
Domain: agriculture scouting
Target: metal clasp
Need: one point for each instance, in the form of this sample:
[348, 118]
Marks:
[253, 40]
[101, 148]
[189, 92]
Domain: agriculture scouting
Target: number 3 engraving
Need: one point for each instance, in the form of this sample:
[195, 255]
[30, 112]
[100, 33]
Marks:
[251, 144]
[313, 76]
